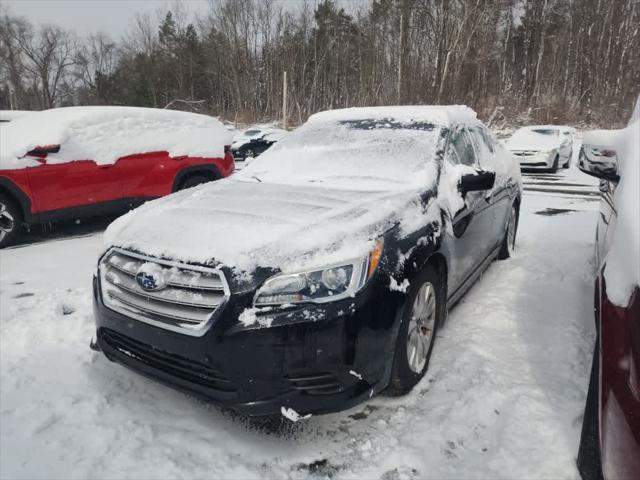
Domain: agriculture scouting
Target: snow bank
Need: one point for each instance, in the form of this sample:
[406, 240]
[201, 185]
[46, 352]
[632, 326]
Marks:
[622, 271]
[104, 134]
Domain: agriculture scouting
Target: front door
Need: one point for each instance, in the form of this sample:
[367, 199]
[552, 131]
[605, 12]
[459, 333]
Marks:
[61, 185]
[472, 224]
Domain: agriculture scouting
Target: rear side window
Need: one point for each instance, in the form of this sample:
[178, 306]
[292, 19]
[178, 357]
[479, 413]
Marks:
[461, 149]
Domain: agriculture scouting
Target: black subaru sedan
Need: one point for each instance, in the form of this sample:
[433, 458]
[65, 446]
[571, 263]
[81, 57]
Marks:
[317, 276]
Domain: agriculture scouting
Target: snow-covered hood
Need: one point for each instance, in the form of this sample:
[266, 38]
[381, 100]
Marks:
[245, 225]
[538, 145]
[529, 140]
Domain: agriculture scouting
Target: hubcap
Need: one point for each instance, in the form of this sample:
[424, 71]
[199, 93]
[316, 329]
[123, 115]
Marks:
[511, 229]
[421, 328]
[6, 221]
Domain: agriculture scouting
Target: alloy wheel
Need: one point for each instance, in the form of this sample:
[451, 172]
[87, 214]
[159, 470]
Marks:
[7, 222]
[422, 327]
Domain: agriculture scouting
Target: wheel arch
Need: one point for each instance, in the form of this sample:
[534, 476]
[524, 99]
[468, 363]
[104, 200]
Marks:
[439, 262]
[435, 255]
[209, 171]
[13, 191]
[516, 203]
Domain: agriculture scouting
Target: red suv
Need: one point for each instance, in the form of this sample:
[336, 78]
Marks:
[610, 441]
[83, 161]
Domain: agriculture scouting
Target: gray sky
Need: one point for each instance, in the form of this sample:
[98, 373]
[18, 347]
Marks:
[86, 16]
[114, 17]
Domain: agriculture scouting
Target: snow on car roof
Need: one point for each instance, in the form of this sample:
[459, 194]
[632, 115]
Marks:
[104, 134]
[9, 115]
[443, 115]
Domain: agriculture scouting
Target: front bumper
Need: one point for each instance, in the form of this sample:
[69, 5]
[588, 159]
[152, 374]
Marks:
[315, 359]
[528, 160]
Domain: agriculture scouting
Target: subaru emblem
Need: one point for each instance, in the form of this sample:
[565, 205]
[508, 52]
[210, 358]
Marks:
[150, 277]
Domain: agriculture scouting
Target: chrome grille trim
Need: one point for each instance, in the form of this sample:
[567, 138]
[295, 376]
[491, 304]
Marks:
[186, 305]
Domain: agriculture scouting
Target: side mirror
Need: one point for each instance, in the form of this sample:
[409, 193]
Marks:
[476, 182]
[42, 152]
[599, 161]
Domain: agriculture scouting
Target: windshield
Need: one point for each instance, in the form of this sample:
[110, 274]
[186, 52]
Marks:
[545, 131]
[533, 135]
[386, 152]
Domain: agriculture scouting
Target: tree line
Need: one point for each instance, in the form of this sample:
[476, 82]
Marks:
[513, 61]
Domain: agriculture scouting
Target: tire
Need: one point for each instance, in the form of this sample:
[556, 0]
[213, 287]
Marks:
[10, 220]
[588, 462]
[509, 240]
[554, 168]
[194, 181]
[418, 319]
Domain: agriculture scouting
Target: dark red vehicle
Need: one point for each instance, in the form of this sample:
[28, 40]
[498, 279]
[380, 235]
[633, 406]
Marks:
[84, 161]
[610, 441]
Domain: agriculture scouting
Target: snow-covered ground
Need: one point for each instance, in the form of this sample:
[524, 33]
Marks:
[503, 397]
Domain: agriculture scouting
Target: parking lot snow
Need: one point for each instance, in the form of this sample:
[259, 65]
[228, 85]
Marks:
[503, 396]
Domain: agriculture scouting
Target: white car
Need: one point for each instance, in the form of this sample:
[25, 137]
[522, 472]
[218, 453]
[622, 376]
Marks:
[543, 147]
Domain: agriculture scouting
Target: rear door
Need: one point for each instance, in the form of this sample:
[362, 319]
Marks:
[147, 175]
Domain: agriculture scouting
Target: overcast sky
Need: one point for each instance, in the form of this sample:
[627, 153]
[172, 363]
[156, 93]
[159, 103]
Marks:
[86, 16]
[114, 17]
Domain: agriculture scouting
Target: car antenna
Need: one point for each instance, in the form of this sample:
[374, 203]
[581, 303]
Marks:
[253, 176]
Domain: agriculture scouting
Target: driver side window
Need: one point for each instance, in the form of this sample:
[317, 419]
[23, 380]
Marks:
[461, 149]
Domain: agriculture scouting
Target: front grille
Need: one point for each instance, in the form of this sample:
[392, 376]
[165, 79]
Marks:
[525, 153]
[316, 383]
[530, 164]
[181, 297]
[174, 365]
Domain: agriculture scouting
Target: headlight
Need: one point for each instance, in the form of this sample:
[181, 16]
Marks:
[545, 153]
[329, 284]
